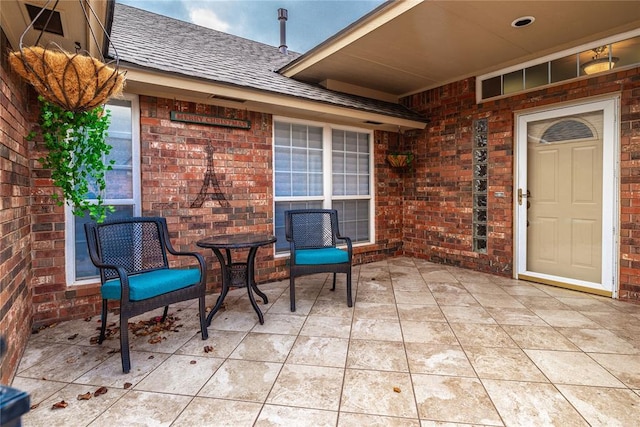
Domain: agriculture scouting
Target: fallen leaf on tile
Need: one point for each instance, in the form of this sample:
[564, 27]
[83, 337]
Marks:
[156, 339]
[100, 391]
[60, 405]
[193, 362]
[396, 389]
[72, 337]
[34, 406]
[85, 396]
[208, 349]
[127, 386]
[87, 319]
[150, 357]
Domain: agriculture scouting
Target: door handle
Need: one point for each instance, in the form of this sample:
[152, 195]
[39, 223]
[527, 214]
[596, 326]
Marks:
[522, 195]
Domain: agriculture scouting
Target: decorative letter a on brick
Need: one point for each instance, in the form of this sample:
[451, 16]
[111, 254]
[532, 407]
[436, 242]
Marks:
[210, 188]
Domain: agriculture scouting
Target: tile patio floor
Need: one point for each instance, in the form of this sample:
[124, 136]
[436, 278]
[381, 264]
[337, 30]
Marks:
[424, 345]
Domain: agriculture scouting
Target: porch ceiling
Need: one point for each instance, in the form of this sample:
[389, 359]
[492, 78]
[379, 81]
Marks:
[406, 47]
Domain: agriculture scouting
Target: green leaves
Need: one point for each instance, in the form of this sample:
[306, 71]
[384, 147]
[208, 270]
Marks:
[77, 156]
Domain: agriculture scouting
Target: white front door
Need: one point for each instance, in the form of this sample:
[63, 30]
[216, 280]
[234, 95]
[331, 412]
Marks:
[565, 197]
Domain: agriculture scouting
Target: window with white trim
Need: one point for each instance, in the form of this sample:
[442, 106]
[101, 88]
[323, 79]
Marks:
[123, 186]
[319, 165]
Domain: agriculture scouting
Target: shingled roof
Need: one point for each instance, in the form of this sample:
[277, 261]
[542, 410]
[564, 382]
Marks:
[157, 42]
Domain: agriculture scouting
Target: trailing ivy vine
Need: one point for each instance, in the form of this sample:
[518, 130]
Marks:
[76, 156]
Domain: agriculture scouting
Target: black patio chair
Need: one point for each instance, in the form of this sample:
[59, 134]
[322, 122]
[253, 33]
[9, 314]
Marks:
[312, 235]
[131, 254]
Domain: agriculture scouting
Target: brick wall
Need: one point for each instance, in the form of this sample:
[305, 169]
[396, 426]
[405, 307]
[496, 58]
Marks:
[438, 193]
[15, 221]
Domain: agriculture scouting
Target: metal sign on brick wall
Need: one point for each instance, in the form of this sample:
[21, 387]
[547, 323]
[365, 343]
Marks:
[202, 119]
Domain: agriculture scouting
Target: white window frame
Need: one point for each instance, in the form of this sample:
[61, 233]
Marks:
[136, 200]
[327, 197]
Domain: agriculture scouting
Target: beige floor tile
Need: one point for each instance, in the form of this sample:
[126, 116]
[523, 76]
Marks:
[539, 338]
[242, 380]
[447, 288]
[377, 355]
[428, 332]
[315, 387]
[140, 408]
[515, 316]
[276, 416]
[598, 341]
[347, 419]
[409, 283]
[541, 302]
[482, 335]
[460, 314]
[219, 344]
[454, 399]
[566, 319]
[287, 324]
[68, 363]
[218, 412]
[283, 306]
[77, 332]
[77, 413]
[420, 313]
[604, 406]
[374, 329]
[493, 300]
[233, 321]
[438, 359]
[37, 389]
[503, 364]
[109, 373]
[532, 404]
[624, 367]
[372, 310]
[478, 288]
[180, 374]
[39, 351]
[588, 304]
[574, 368]
[378, 393]
[437, 276]
[455, 299]
[414, 297]
[319, 351]
[331, 308]
[264, 347]
[321, 326]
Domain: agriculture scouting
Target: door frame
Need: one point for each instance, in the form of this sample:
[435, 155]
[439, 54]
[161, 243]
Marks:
[610, 193]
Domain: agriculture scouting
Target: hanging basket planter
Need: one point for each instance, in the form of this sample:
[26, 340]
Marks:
[77, 81]
[72, 81]
[400, 160]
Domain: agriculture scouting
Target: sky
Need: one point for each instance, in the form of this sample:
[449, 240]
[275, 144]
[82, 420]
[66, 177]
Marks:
[310, 22]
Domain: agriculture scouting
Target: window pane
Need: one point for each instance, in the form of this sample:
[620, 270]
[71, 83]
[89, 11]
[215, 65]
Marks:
[283, 184]
[299, 184]
[282, 158]
[351, 142]
[315, 184]
[492, 87]
[337, 140]
[299, 136]
[513, 82]
[338, 184]
[315, 137]
[315, 161]
[538, 75]
[351, 163]
[119, 183]
[299, 160]
[282, 133]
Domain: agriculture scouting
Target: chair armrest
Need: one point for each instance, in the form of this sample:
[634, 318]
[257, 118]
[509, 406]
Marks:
[347, 240]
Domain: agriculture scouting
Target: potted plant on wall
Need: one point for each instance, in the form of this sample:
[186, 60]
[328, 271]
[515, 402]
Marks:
[400, 159]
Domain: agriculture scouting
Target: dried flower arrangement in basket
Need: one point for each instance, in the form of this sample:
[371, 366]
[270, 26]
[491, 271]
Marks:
[73, 81]
[400, 160]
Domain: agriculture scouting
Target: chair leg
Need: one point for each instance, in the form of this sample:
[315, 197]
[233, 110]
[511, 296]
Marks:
[124, 342]
[164, 315]
[292, 292]
[203, 318]
[349, 298]
[334, 282]
[103, 326]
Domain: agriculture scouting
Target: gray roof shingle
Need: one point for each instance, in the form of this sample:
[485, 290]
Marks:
[161, 43]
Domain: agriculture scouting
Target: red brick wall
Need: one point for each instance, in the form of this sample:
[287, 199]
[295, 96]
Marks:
[438, 194]
[15, 221]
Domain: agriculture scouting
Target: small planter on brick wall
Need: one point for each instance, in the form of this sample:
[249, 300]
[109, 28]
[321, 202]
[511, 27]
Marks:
[400, 160]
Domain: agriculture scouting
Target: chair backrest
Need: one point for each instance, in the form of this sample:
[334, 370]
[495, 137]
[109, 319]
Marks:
[311, 228]
[136, 244]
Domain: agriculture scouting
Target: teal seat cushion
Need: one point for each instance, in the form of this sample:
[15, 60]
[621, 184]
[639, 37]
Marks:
[321, 256]
[152, 283]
